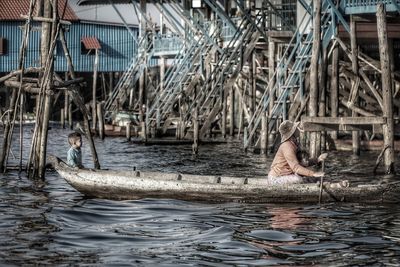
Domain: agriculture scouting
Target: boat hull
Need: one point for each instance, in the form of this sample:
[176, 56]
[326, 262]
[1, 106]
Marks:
[123, 185]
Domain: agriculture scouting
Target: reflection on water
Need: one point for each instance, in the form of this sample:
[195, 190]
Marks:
[51, 224]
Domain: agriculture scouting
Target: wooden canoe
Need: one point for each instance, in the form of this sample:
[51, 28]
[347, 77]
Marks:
[123, 185]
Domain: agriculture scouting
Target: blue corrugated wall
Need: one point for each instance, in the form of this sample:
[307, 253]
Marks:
[118, 47]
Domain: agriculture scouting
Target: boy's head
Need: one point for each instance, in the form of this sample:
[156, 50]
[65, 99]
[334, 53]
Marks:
[75, 140]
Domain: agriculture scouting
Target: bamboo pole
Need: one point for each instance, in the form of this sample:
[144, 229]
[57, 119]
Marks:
[66, 102]
[313, 102]
[8, 129]
[387, 97]
[21, 130]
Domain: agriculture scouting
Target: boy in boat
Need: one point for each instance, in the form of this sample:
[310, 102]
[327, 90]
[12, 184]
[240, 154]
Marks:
[286, 168]
[74, 156]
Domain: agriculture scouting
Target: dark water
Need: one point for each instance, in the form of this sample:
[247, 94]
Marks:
[52, 224]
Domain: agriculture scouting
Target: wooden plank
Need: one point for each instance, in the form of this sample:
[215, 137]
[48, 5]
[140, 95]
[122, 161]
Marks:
[314, 127]
[345, 120]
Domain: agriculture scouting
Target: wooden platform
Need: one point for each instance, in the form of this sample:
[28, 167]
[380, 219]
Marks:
[374, 145]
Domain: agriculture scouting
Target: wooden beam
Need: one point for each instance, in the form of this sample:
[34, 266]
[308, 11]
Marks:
[345, 120]
[313, 102]
[43, 19]
[315, 127]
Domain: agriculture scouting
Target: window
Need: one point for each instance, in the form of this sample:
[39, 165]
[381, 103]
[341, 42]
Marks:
[3, 46]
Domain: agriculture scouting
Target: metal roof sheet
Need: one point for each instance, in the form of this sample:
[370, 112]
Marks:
[90, 42]
[13, 9]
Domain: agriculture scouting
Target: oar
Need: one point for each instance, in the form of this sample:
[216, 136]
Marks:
[322, 182]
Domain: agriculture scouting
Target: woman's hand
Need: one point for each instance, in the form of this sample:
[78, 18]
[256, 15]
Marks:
[322, 157]
[319, 174]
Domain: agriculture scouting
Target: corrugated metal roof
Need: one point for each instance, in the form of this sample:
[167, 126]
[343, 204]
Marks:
[13, 9]
[90, 42]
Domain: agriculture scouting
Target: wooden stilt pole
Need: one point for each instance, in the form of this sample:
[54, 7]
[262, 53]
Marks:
[128, 131]
[232, 112]
[271, 71]
[66, 102]
[94, 90]
[354, 66]
[334, 90]
[264, 134]
[48, 36]
[387, 95]
[100, 118]
[224, 111]
[195, 147]
[241, 119]
[70, 122]
[322, 96]
[21, 129]
[313, 102]
[142, 81]
[111, 84]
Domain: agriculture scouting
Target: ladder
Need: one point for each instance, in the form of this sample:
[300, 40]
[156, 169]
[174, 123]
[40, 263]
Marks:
[225, 73]
[180, 76]
[290, 70]
[132, 74]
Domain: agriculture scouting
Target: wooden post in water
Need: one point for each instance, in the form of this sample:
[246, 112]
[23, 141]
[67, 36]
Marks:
[322, 96]
[94, 90]
[128, 131]
[70, 123]
[100, 119]
[387, 95]
[142, 80]
[264, 134]
[48, 35]
[271, 71]
[334, 92]
[232, 111]
[241, 119]
[66, 102]
[313, 102]
[195, 147]
[354, 84]
[224, 111]
[62, 118]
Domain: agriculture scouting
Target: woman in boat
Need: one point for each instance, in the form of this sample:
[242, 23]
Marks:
[286, 168]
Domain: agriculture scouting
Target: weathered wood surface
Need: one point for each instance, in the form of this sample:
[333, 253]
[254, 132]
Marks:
[121, 185]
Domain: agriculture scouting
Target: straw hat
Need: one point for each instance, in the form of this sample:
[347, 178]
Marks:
[287, 129]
